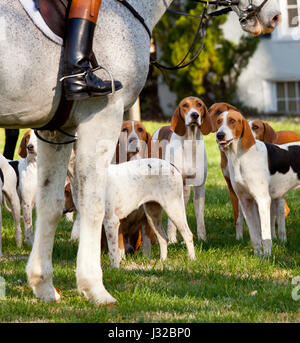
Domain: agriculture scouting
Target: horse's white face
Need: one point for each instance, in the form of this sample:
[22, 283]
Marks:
[268, 18]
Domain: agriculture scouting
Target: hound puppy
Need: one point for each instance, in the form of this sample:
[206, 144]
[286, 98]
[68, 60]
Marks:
[182, 144]
[258, 172]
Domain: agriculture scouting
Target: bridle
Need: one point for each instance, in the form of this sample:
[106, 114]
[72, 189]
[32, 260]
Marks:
[250, 12]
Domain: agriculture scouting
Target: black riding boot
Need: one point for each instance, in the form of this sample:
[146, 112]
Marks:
[79, 81]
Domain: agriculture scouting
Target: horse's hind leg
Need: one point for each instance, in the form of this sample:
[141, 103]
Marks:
[52, 169]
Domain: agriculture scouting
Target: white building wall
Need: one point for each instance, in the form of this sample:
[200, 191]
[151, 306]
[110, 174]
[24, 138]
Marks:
[276, 59]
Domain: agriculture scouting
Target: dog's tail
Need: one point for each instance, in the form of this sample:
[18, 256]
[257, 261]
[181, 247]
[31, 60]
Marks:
[5, 205]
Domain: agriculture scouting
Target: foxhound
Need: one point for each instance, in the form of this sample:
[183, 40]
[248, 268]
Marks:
[264, 132]
[153, 183]
[25, 177]
[182, 144]
[258, 173]
[214, 111]
[134, 231]
[279, 208]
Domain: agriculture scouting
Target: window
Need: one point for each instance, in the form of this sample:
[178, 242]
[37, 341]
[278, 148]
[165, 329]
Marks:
[289, 28]
[293, 13]
[288, 97]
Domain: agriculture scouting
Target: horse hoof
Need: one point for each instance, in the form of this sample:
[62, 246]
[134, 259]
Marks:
[99, 296]
[47, 294]
[267, 247]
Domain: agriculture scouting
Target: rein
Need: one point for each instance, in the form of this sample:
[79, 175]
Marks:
[244, 15]
[201, 28]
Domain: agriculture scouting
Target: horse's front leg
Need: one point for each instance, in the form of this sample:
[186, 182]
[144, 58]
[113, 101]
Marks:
[97, 138]
[52, 162]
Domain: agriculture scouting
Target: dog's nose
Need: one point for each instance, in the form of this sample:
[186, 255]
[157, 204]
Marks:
[195, 115]
[30, 147]
[220, 136]
[132, 139]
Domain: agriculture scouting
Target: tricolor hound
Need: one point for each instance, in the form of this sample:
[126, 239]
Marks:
[279, 208]
[258, 173]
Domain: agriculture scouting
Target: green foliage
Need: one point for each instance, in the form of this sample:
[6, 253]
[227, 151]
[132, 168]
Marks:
[214, 75]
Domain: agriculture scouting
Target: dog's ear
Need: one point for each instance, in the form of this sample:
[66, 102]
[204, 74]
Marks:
[231, 107]
[206, 127]
[269, 134]
[22, 149]
[148, 142]
[248, 139]
[177, 123]
[117, 153]
[213, 119]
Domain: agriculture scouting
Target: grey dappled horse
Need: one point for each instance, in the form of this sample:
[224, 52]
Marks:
[30, 68]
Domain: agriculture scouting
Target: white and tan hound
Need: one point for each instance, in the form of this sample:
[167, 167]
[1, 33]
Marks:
[214, 111]
[259, 172]
[182, 144]
[134, 231]
[20, 185]
[154, 184]
[9, 192]
[26, 174]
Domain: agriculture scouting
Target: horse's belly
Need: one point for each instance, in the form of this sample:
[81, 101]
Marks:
[29, 65]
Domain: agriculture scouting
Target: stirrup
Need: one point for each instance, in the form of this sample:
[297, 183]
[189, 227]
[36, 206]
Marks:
[113, 89]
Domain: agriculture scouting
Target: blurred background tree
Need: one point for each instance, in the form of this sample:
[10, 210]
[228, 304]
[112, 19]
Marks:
[214, 74]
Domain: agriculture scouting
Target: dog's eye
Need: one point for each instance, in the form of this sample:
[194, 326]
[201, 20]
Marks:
[254, 127]
[231, 121]
[219, 121]
[185, 105]
[125, 130]
[199, 104]
[218, 112]
[140, 129]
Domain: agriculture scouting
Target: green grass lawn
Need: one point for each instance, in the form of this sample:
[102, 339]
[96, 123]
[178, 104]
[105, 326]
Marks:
[226, 282]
